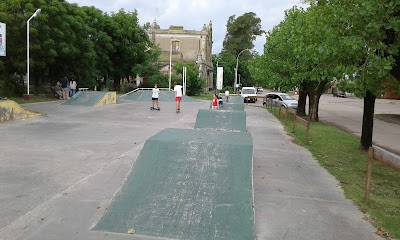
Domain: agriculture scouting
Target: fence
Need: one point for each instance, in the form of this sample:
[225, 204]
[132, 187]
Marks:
[283, 110]
[387, 158]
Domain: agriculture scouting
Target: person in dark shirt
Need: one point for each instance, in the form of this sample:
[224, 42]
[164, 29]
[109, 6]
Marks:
[64, 85]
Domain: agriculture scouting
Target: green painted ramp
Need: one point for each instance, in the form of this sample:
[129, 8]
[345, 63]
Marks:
[221, 120]
[188, 184]
[235, 99]
[86, 98]
[231, 107]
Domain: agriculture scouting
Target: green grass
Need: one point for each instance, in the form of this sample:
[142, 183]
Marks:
[339, 152]
[36, 98]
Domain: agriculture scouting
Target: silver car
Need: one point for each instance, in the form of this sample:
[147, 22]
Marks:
[284, 98]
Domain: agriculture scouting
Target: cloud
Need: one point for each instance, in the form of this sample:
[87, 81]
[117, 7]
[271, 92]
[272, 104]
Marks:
[193, 14]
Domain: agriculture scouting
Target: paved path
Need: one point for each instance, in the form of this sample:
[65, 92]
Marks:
[58, 174]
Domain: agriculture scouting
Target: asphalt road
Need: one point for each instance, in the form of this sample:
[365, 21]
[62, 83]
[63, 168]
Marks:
[346, 113]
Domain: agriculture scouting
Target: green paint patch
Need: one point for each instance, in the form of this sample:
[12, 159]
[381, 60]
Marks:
[221, 120]
[188, 184]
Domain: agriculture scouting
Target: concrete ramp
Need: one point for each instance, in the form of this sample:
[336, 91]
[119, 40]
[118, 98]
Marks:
[235, 99]
[145, 96]
[10, 110]
[231, 107]
[90, 98]
[221, 120]
[187, 184]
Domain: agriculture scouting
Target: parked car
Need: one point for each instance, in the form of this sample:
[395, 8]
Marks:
[249, 94]
[284, 98]
[260, 90]
[339, 94]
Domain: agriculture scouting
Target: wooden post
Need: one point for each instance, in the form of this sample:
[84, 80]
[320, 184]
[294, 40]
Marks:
[369, 170]
[307, 131]
[280, 107]
[294, 123]
[286, 109]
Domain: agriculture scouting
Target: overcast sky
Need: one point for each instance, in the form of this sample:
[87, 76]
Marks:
[193, 14]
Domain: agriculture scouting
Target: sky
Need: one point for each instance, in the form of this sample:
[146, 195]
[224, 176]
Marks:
[192, 15]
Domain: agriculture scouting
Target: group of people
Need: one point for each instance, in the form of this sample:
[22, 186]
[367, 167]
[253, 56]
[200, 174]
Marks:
[177, 94]
[64, 88]
[218, 102]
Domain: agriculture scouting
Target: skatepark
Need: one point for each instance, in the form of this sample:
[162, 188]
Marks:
[85, 170]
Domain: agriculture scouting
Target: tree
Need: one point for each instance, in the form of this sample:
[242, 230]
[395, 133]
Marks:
[372, 53]
[241, 33]
[130, 42]
[194, 83]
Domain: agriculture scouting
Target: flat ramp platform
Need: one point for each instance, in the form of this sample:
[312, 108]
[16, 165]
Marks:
[91, 98]
[221, 120]
[235, 99]
[145, 96]
[232, 106]
[187, 184]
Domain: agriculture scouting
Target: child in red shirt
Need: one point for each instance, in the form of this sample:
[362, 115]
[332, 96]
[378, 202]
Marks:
[214, 102]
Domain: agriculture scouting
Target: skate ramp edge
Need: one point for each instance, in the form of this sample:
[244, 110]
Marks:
[10, 110]
[230, 107]
[92, 98]
[109, 98]
[221, 120]
[187, 184]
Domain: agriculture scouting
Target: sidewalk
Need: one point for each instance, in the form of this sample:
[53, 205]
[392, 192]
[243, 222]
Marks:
[295, 198]
[44, 195]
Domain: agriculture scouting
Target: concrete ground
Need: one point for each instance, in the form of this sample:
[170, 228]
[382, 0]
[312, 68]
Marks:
[58, 174]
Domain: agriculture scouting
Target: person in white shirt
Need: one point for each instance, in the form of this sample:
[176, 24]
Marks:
[178, 96]
[226, 96]
[154, 98]
[72, 88]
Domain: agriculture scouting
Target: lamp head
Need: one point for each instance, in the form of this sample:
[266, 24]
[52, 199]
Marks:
[37, 12]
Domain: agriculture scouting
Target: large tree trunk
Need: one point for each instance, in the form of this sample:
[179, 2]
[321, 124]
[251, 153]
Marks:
[314, 91]
[368, 121]
[301, 107]
[117, 84]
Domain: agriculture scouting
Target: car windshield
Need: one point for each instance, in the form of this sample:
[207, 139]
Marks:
[248, 91]
[286, 97]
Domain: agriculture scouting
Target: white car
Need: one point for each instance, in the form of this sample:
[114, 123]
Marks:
[249, 94]
[284, 98]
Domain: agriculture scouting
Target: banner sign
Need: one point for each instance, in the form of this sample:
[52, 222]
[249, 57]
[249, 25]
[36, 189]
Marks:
[2, 39]
[220, 77]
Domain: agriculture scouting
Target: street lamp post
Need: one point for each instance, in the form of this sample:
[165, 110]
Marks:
[170, 65]
[237, 65]
[27, 47]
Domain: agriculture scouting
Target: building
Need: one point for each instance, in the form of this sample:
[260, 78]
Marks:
[186, 45]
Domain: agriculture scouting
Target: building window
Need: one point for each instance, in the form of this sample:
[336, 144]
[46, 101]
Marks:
[176, 46]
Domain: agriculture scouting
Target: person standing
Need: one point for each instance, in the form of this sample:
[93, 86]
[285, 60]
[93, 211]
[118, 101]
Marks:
[154, 98]
[214, 103]
[72, 86]
[64, 85]
[178, 96]
[227, 96]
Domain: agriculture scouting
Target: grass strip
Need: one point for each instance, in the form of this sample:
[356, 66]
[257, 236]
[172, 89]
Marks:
[339, 152]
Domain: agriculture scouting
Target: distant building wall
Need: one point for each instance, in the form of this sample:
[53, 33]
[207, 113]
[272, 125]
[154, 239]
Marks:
[187, 45]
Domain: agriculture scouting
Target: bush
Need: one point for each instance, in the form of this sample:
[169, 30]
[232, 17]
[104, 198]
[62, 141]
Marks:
[12, 86]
